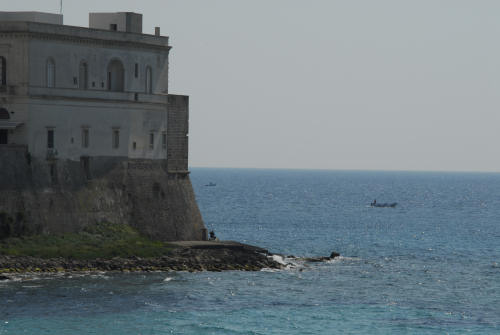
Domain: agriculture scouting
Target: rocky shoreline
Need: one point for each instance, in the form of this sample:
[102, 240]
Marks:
[186, 256]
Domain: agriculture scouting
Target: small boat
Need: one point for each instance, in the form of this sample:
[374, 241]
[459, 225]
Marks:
[391, 205]
[211, 184]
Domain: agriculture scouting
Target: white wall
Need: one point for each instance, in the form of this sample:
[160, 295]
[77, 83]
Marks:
[134, 120]
[67, 108]
[16, 53]
[67, 57]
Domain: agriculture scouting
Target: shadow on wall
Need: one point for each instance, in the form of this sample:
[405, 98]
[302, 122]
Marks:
[15, 226]
[63, 196]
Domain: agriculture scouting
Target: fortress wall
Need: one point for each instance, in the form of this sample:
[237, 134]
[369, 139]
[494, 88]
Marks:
[177, 133]
[41, 196]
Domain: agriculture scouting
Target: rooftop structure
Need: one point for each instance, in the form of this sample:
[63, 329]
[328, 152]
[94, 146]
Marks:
[39, 17]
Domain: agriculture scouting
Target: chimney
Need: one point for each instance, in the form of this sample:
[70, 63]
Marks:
[157, 31]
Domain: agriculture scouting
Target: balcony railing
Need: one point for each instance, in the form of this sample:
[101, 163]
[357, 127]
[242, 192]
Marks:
[52, 153]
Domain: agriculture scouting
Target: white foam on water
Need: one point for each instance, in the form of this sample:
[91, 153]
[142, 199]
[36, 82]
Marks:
[279, 259]
[299, 264]
[168, 279]
[289, 263]
[19, 278]
[152, 304]
[101, 275]
[340, 259]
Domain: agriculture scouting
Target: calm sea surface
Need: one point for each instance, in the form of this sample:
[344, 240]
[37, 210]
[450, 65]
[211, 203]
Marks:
[429, 266]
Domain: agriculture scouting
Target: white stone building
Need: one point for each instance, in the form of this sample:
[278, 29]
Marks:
[68, 92]
[88, 130]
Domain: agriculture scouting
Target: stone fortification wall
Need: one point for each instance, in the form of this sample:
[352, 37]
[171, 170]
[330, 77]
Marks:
[177, 133]
[43, 196]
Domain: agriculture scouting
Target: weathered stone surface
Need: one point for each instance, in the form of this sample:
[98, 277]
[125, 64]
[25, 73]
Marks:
[140, 193]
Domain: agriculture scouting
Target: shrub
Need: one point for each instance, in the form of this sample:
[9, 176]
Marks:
[102, 240]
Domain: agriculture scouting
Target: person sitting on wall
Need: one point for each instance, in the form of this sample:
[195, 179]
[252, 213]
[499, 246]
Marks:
[212, 236]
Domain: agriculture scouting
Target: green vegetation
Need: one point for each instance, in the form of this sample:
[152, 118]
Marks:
[103, 240]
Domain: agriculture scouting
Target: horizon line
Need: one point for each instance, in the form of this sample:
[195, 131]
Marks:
[342, 170]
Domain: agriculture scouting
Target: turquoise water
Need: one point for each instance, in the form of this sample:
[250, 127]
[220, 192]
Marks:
[429, 266]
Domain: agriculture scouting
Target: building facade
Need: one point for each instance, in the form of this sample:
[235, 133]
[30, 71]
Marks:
[72, 92]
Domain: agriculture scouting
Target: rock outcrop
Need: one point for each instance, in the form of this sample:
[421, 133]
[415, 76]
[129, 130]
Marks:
[190, 257]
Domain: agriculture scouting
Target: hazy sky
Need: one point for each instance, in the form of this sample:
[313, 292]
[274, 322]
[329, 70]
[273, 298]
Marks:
[352, 84]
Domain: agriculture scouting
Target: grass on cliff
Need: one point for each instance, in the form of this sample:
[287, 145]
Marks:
[103, 240]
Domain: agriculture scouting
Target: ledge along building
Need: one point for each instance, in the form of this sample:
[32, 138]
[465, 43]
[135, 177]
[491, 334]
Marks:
[88, 129]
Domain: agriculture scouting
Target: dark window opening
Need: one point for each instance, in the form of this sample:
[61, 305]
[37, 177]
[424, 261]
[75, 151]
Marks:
[3, 71]
[113, 27]
[134, 145]
[4, 136]
[51, 73]
[116, 76]
[136, 70]
[116, 138]
[53, 173]
[50, 138]
[28, 158]
[164, 141]
[149, 81]
[151, 141]
[85, 163]
[85, 137]
[83, 76]
[4, 114]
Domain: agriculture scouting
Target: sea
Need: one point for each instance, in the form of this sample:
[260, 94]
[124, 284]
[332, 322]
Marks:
[431, 265]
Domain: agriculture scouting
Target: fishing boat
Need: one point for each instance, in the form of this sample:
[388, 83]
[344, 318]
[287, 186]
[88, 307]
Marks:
[376, 204]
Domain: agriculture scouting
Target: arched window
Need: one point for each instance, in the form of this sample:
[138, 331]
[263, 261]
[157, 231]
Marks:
[83, 75]
[116, 76]
[3, 71]
[149, 81]
[51, 73]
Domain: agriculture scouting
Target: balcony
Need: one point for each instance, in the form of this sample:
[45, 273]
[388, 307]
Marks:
[100, 95]
[52, 154]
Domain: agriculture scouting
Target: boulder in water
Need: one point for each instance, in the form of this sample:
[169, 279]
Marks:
[334, 254]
